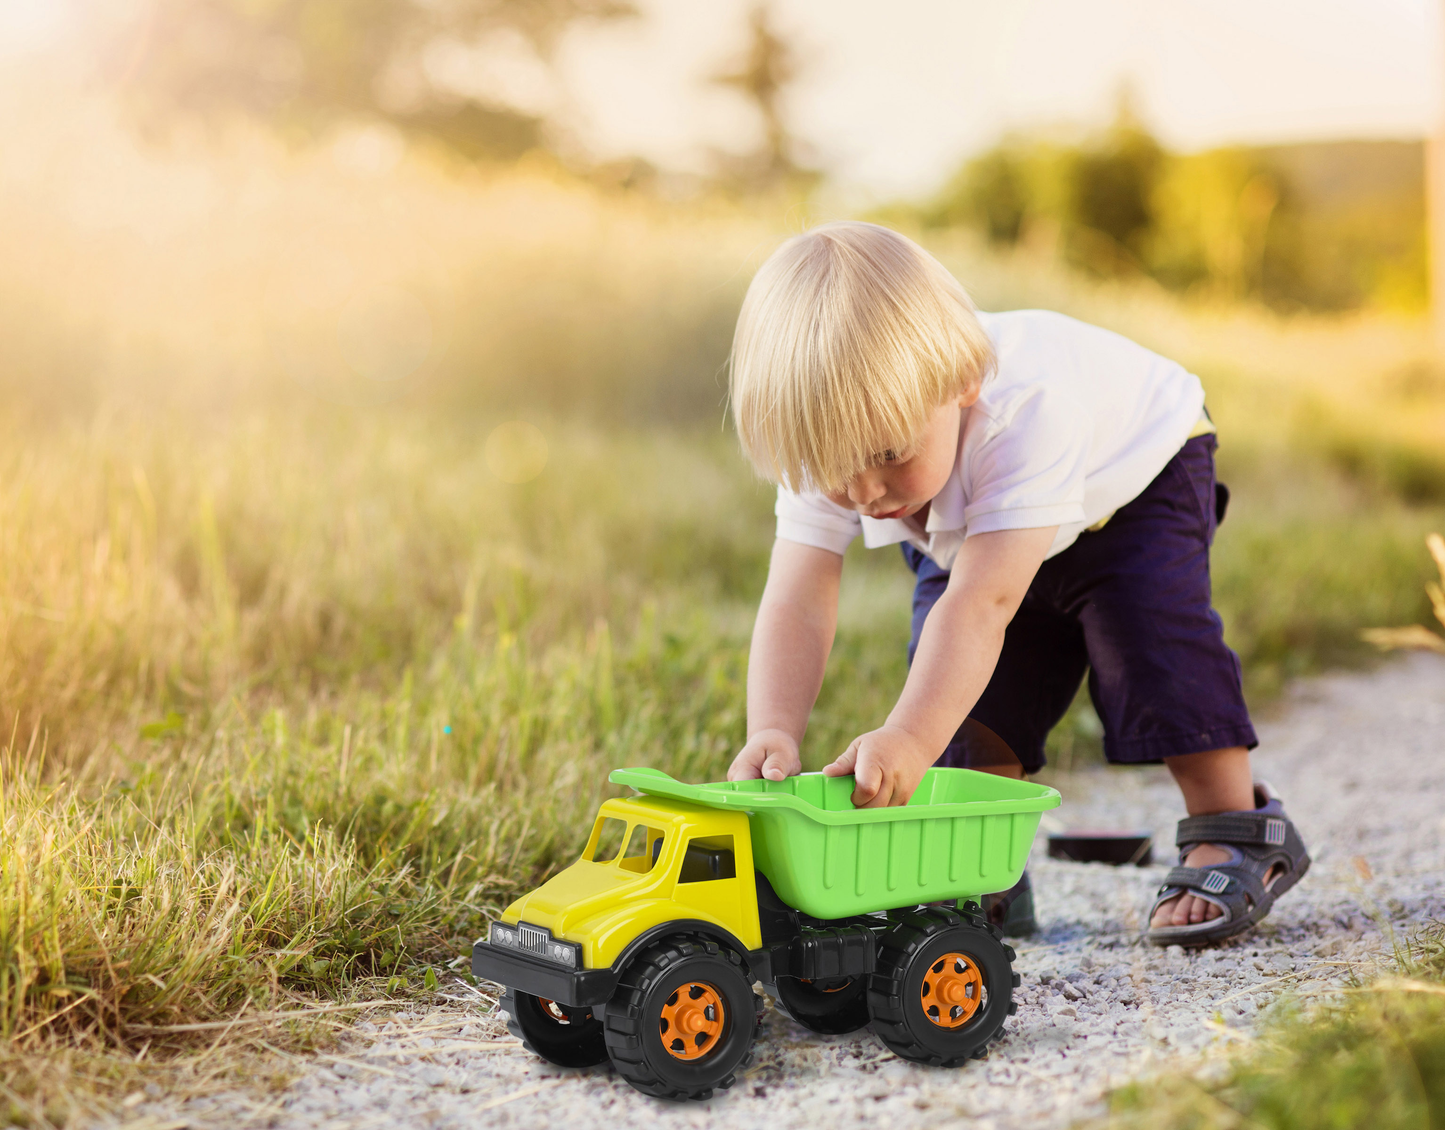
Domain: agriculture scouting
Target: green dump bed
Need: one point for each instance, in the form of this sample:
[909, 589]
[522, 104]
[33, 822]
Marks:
[962, 834]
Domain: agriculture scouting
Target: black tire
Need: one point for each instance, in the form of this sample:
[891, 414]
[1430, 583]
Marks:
[831, 1007]
[656, 982]
[568, 1037]
[909, 954]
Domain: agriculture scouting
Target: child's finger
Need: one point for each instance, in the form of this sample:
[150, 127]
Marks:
[843, 764]
[868, 781]
[776, 766]
[747, 765]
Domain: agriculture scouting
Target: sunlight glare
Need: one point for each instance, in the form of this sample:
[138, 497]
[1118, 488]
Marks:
[30, 25]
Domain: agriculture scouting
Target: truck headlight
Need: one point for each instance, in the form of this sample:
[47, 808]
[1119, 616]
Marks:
[565, 953]
[537, 942]
[501, 935]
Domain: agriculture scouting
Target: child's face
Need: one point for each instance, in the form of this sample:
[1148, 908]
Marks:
[902, 483]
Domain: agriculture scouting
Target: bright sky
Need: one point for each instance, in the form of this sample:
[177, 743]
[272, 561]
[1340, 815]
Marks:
[895, 94]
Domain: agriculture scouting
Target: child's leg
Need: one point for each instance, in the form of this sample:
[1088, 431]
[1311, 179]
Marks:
[1219, 780]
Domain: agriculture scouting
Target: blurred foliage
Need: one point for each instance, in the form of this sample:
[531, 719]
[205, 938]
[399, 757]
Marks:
[304, 65]
[1377, 1060]
[1327, 226]
[1372, 1056]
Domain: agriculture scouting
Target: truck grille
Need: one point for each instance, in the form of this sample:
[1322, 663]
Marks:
[533, 940]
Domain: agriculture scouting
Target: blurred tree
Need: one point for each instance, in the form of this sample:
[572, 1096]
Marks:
[768, 65]
[1010, 193]
[1350, 225]
[1111, 189]
[1327, 225]
[1096, 197]
[1211, 222]
[992, 193]
[303, 65]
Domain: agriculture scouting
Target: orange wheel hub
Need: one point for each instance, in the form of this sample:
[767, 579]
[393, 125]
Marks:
[692, 1021]
[952, 991]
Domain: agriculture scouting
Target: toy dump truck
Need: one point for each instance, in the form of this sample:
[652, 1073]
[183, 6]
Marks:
[645, 951]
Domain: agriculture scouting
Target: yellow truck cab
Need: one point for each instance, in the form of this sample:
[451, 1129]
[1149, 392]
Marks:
[649, 866]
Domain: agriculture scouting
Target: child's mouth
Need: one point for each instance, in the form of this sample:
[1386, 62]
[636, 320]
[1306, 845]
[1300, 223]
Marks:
[902, 510]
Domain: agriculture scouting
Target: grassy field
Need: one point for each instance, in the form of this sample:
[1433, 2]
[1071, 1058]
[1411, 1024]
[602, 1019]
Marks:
[298, 685]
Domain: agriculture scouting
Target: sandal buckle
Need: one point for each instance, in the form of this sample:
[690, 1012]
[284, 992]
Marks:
[1274, 832]
[1216, 882]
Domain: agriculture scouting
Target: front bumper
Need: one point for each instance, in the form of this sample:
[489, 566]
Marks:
[527, 974]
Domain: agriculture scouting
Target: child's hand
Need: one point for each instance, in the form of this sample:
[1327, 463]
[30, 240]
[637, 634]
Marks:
[887, 765]
[769, 753]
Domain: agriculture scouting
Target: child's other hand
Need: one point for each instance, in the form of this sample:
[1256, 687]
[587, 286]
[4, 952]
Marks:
[887, 765]
[769, 753]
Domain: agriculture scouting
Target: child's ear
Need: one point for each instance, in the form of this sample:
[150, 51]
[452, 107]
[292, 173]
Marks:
[969, 397]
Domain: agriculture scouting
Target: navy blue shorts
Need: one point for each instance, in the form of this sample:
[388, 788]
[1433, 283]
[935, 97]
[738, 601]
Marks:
[1130, 604]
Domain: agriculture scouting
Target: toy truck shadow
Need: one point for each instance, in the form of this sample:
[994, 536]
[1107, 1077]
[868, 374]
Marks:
[645, 951]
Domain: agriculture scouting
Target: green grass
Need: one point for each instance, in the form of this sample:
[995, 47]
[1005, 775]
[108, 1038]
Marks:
[297, 706]
[299, 702]
[1372, 1056]
[335, 690]
[1305, 558]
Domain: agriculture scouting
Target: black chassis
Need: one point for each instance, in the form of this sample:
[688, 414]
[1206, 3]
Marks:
[793, 946]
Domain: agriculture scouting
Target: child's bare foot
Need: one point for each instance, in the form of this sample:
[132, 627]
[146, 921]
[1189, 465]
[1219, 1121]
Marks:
[1187, 909]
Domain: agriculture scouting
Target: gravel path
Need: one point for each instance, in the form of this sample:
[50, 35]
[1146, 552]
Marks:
[1358, 761]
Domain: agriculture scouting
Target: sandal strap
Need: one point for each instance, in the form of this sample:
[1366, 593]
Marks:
[1223, 881]
[1258, 842]
[1239, 828]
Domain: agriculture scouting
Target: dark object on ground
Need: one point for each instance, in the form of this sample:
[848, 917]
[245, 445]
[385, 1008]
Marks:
[1086, 845]
[1012, 911]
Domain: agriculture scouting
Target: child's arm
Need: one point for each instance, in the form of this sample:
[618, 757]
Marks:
[957, 651]
[791, 640]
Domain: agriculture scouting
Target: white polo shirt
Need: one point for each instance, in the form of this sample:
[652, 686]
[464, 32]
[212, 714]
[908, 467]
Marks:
[1076, 422]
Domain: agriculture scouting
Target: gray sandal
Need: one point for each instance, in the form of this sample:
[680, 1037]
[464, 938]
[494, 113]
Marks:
[1258, 841]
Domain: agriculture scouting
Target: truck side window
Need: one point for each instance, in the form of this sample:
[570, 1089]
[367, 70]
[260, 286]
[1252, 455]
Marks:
[708, 858]
[643, 847]
[609, 840]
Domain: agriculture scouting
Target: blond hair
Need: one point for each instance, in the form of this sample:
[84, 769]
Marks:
[851, 336]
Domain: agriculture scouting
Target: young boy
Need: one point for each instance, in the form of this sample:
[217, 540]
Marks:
[1052, 486]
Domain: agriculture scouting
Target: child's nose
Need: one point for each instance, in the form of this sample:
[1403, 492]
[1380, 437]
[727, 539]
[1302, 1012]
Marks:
[864, 489]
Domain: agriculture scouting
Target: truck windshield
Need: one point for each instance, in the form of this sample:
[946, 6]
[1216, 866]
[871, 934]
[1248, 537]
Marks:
[643, 845]
[643, 848]
[609, 840]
